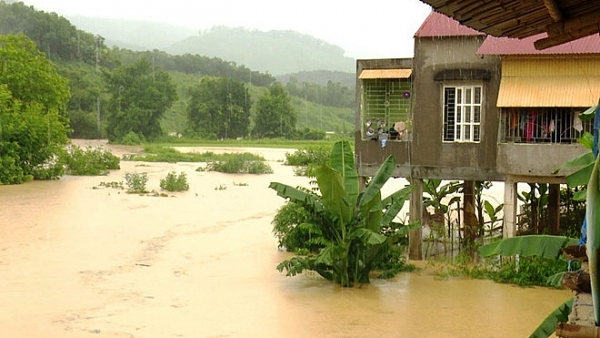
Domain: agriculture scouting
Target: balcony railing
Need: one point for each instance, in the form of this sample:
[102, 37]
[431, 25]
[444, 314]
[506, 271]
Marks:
[542, 125]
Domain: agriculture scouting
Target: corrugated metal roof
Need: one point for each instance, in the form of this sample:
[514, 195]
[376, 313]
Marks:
[564, 20]
[551, 82]
[395, 73]
[510, 46]
[437, 25]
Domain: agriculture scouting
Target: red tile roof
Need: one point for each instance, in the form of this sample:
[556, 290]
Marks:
[507, 46]
[437, 25]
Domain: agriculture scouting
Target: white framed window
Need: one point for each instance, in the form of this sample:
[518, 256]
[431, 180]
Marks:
[462, 113]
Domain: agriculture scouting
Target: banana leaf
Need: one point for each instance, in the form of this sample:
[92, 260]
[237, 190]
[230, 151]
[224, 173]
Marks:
[370, 214]
[548, 326]
[592, 218]
[368, 237]
[297, 195]
[556, 279]
[383, 174]
[582, 175]
[333, 193]
[342, 160]
[395, 202]
[534, 245]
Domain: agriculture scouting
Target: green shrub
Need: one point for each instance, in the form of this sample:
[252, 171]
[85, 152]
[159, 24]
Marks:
[240, 163]
[136, 183]
[292, 227]
[157, 153]
[132, 139]
[175, 182]
[524, 271]
[309, 155]
[307, 159]
[527, 271]
[90, 162]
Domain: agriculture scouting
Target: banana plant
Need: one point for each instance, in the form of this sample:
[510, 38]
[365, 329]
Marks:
[351, 220]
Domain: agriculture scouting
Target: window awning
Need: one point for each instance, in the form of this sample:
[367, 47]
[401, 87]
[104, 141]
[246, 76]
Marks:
[549, 83]
[396, 73]
[462, 75]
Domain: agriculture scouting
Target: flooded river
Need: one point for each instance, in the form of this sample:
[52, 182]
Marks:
[78, 260]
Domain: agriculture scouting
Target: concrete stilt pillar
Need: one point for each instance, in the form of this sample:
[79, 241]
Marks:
[415, 244]
[510, 208]
[554, 209]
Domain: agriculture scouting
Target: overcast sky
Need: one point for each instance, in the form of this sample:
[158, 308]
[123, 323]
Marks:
[364, 29]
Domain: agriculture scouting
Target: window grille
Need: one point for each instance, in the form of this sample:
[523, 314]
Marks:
[462, 113]
[542, 125]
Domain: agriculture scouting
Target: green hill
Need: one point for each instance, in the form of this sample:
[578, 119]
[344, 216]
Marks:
[275, 52]
[82, 56]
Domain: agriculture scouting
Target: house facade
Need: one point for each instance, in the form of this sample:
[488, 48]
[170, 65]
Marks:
[480, 109]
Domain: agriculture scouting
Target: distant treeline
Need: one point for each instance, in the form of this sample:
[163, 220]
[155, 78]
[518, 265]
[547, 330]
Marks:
[333, 94]
[197, 65]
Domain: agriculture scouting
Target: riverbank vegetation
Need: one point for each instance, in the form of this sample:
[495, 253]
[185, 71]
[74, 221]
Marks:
[232, 163]
[90, 161]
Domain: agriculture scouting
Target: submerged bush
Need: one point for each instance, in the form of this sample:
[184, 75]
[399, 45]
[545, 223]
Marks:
[90, 162]
[308, 159]
[175, 182]
[157, 153]
[240, 163]
[136, 183]
[525, 271]
[132, 139]
[306, 156]
[292, 225]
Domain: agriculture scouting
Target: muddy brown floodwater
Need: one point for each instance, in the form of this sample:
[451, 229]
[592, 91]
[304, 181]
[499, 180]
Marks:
[77, 260]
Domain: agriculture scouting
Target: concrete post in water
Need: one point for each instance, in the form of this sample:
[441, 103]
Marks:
[510, 208]
[415, 245]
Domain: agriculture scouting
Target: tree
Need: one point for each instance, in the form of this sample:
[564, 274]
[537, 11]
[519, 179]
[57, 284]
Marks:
[352, 223]
[53, 34]
[86, 100]
[275, 116]
[219, 108]
[140, 95]
[33, 125]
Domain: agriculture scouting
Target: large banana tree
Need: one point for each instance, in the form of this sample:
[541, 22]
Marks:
[351, 220]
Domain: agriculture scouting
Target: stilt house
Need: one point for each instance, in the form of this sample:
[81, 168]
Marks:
[473, 107]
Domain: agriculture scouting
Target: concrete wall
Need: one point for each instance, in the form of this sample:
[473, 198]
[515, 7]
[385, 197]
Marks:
[469, 161]
[537, 161]
[370, 154]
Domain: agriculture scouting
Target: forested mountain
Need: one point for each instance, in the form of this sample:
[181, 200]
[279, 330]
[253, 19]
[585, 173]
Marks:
[276, 52]
[134, 35]
[85, 59]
